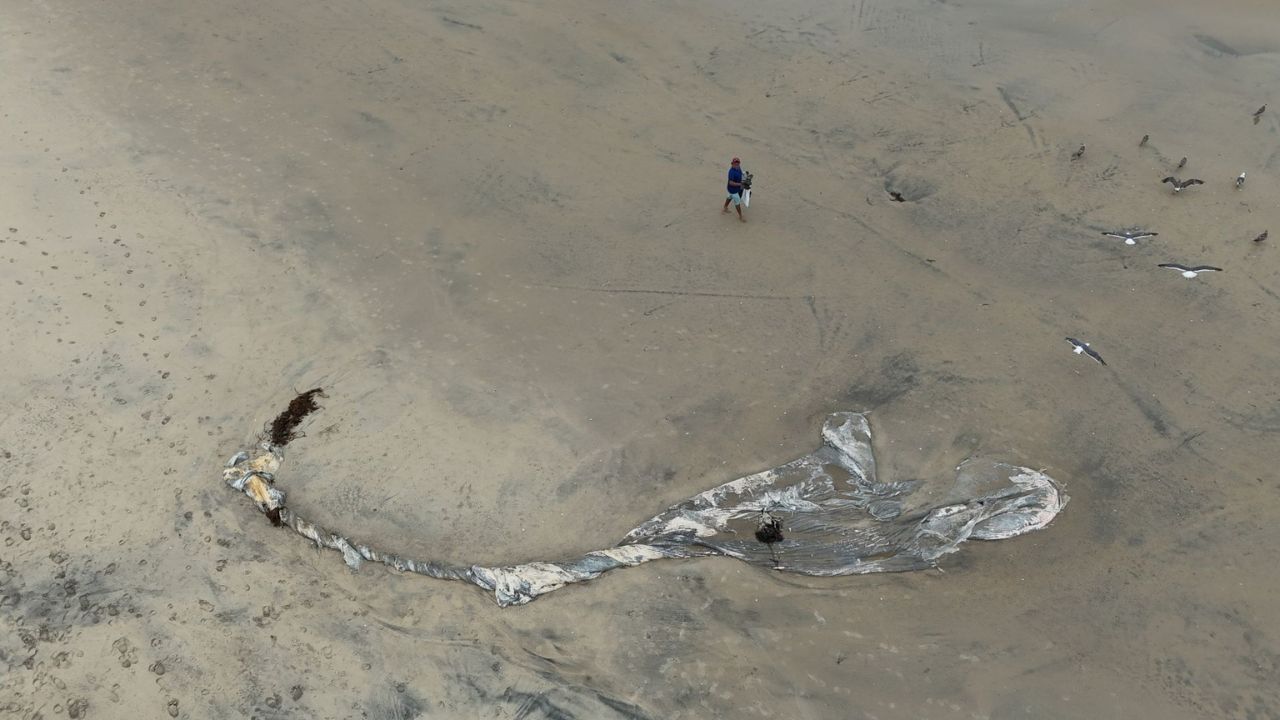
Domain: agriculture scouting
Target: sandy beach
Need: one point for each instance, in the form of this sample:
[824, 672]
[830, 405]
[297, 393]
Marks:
[491, 232]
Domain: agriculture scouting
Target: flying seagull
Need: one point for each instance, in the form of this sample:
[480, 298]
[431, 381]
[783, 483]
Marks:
[1257, 114]
[1083, 348]
[1180, 185]
[1078, 154]
[1190, 272]
[1130, 237]
[1262, 237]
[1181, 163]
[1240, 181]
[1144, 140]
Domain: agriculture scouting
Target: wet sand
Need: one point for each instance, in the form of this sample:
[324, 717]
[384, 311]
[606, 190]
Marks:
[492, 232]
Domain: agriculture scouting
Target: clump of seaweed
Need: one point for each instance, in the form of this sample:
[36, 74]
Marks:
[770, 529]
[285, 427]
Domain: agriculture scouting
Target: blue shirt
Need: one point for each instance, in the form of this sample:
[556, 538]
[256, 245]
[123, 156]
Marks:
[735, 175]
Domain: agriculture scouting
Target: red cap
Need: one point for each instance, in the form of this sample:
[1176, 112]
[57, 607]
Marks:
[734, 161]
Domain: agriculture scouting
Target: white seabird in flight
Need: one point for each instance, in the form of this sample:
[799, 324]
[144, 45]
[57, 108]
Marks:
[1190, 272]
[1130, 237]
[1083, 348]
[1180, 185]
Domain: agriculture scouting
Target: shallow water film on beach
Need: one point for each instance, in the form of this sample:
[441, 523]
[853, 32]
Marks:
[491, 234]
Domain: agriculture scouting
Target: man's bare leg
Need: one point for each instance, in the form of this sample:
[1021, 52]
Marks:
[739, 209]
[726, 206]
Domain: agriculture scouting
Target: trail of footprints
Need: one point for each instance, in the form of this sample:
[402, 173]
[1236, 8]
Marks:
[85, 283]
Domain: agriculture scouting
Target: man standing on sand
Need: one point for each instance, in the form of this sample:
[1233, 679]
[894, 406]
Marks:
[735, 188]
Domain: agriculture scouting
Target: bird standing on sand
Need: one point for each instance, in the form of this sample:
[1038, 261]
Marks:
[1240, 181]
[1130, 237]
[1180, 185]
[1181, 164]
[1078, 154]
[1190, 272]
[1082, 348]
[1257, 114]
[1144, 140]
[1262, 237]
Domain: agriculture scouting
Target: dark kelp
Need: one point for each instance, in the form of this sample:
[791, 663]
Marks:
[285, 427]
[769, 530]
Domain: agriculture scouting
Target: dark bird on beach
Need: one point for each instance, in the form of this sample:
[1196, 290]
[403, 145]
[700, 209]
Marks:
[1180, 185]
[1144, 140]
[1082, 348]
[1261, 237]
[1181, 164]
[1190, 272]
[896, 196]
[1240, 181]
[1130, 237]
[1078, 154]
[1257, 114]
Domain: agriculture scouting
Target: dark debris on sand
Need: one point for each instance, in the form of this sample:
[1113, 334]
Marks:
[770, 530]
[285, 427]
